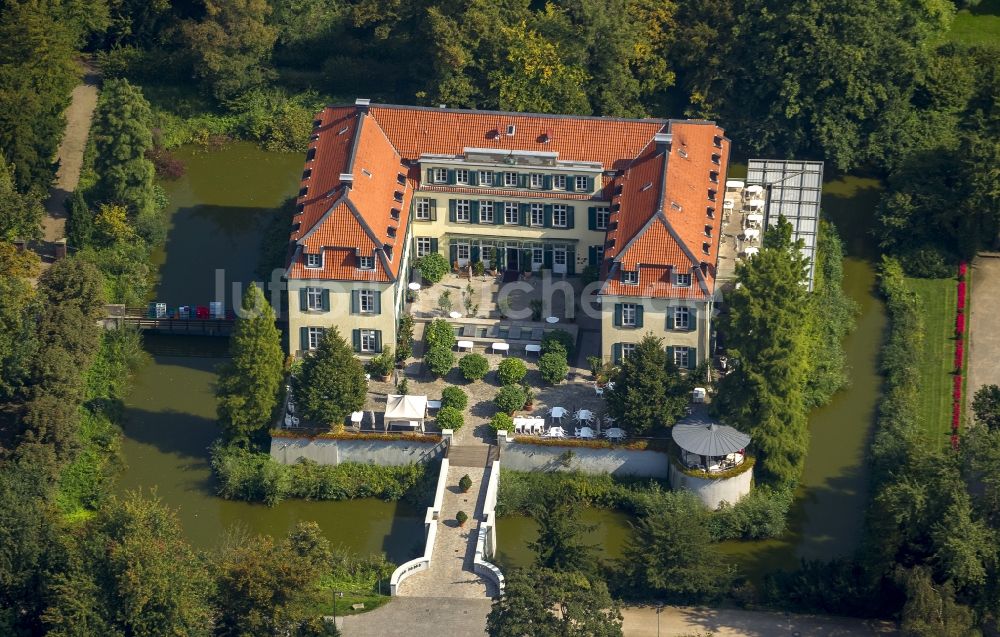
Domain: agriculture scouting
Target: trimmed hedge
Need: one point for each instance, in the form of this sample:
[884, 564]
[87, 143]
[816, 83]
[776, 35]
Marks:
[255, 477]
[450, 418]
[454, 397]
[473, 366]
[511, 371]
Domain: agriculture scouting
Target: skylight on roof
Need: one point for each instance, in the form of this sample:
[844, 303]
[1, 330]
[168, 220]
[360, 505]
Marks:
[646, 187]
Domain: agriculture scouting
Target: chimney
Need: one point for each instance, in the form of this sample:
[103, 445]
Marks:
[663, 141]
[347, 179]
[362, 104]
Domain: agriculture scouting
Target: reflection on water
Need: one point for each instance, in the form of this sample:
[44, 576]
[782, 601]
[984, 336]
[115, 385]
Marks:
[515, 532]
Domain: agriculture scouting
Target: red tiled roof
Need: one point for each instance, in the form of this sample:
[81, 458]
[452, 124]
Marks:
[647, 231]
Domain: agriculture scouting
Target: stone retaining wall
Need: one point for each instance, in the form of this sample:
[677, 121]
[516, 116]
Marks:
[524, 456]
[431, 518]
[334, 451]
[713, 492]
[486, 543]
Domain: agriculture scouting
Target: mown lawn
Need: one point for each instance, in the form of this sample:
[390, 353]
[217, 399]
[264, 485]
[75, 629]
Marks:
[980, 25]
[938, 356]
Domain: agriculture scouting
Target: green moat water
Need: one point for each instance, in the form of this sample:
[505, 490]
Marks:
[218, 211]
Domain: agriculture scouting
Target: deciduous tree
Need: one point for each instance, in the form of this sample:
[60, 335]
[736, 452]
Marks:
[20, 214]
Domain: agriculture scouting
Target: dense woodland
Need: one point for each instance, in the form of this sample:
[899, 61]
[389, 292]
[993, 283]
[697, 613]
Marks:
[869, 86]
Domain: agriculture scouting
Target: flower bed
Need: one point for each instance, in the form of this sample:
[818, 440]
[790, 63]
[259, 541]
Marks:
[346, 435]
[956, 394]
[747, 464]
[636, 444]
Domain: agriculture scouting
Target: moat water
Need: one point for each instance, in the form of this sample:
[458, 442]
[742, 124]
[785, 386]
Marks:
[218, 212]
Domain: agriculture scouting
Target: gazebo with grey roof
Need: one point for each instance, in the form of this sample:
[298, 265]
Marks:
[706, 442]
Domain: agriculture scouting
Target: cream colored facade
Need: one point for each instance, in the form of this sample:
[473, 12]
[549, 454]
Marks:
[663, 318]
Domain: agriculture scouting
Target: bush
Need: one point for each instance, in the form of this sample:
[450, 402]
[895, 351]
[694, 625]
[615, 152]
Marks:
[381, 365]
[439, 360]
[166, 164]
[461, 517]
[473, 366]
[511, 371]
[404, 343]
[759, 515]
[510, 398]
[501, 422]
[450, 418]
[559, 337]
[440, 332]
[465, 483]
[454, 397]
[432, 267]
[553, 367]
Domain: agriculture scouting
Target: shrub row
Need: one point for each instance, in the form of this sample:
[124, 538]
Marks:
[255, 477]
[956, 395]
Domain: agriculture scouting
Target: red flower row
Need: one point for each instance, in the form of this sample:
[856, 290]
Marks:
[956, 393]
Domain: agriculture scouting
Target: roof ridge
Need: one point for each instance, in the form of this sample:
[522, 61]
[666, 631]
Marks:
[601, 118]
[354, 143]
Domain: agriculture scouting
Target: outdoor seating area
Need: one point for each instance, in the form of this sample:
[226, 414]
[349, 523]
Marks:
[705, 445]
[560, 422]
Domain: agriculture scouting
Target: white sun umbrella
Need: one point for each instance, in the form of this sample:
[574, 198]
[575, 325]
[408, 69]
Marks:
[705, 437]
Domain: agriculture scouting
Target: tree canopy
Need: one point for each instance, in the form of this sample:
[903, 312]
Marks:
[649, 392]
[331, 383]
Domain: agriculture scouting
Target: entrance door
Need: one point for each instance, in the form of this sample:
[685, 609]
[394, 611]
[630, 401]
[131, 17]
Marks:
[559, 260]
[513, 259]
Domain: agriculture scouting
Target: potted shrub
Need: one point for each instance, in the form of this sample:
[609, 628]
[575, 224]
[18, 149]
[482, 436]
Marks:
[465, 483]
[473, 366]
[381, 365]
[462, 517]
[510, 398]
[553, 367]
[478, 268]
[529, 398]
[432, 267]
[439, 360]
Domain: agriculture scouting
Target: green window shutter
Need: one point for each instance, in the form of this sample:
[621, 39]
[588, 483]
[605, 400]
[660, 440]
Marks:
[378, 341]
[692, 357]
[474, 253]
[570, 183]
[451, 176]
[590, 184]
[326, 300]
[356, 337]
[570, 216]
[548, 215]
[474, 211]
[303, 299]
[378, 302]
[670, 354]
[547, 257]
[434, 245]
[592, 218]
[522, 180]
[524, 214]
[498, 213]
[692, 319]
[592, 255]
[355, 301]
[547, 182]
[451, 210]
[670, 318]
[452, 254]
[303, 338]
[616, 354]
[570, 260]
[618, 315]
[638, 315]
[430, 175]
[434, 210]
[498, 180]
[473, 177]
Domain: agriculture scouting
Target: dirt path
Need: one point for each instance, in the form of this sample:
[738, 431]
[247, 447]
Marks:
[78, 117]
[984, 326]
[675, 621]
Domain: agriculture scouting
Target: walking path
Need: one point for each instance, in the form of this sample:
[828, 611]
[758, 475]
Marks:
[78, 118]
[674, 621]
[451, 572]
[984, 326]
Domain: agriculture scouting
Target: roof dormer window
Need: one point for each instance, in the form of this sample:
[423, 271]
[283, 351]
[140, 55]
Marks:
[717, 141]
[630, 277]
[366, 263]
[713, 176]
[314, 260]
[710, 211]
[682, 279]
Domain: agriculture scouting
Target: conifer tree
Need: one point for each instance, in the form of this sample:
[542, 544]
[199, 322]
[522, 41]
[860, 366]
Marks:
[332, 382]
[122, 135]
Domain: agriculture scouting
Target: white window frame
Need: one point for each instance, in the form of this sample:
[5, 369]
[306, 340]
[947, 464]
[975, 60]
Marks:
[536, 180]
[314, 336]
[366, 263]
[682, 357]
[463, 210]
[682, 318]
[599, 253]
[366, 301]
[368, 340]
[314, 298]
[558, 182]
[463, 252]
[440, 175]
[510, 180]
[537, 258]
[314, 261]
[560, 259]
[485, 178]
[682, 279]
[536, 214]
[630, 277]
[627, 350]
[486, 253]
[629, 313]
[560, 216]
[423, 246]
[508, 208]
[603, 213]
[462, 176]
[486, 212]
[580, 183]
[422, 209]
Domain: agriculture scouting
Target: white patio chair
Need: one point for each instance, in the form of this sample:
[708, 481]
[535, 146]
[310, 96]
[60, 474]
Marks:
[576, 432]
[598, 390]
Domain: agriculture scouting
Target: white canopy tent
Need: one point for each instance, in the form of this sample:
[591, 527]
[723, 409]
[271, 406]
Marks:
[405, 411]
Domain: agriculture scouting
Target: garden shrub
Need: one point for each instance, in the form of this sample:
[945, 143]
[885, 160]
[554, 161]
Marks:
[553, 367]
[473, 366]
[450, 418]
[440, 333]
[454, 397]
[511, 371]
[510, 398]
[465, 483]
[501, 421]
[559, 337]
[432, 267]
[760, 514]
[439, 360]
